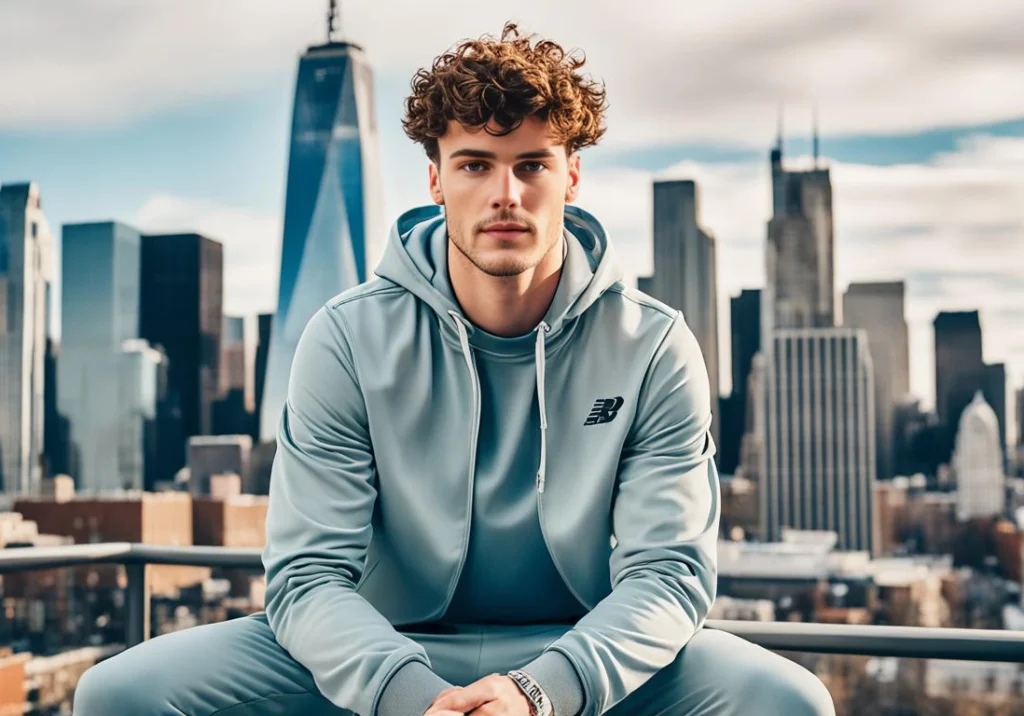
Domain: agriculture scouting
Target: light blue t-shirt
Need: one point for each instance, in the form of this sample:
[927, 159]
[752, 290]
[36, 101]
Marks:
[508, 577]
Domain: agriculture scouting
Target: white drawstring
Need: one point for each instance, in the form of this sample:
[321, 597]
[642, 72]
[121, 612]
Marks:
[467, 353]
[542, 331]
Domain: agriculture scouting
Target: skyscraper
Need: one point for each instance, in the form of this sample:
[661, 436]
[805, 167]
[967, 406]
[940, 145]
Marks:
[233, 411]
[878, 309]
[977, 462]
[333, 219]
[959, 368]
[745, 320]
[958, 362]
[263, 325]
[1020, 417]
[685, 270]
[26, 276]
[1019, 461]
[993, 387]
[55, 425]
[181, 311]
[800, 274]
[745, 332]
[138, 397]
[234, 373]
[100, 311]
[820, 448]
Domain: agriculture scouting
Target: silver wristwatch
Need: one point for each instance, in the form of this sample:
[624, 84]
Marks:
[540, 704]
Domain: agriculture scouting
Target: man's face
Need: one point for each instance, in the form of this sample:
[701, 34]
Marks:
[504, 197]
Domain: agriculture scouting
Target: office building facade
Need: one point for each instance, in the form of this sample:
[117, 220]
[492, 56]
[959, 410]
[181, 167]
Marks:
[100, 311]
[819, 450]
[181, 313]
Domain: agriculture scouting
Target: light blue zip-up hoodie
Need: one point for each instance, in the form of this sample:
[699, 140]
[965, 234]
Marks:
[370, 497]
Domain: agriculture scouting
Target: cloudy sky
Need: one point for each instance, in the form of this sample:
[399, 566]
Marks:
[174, 115]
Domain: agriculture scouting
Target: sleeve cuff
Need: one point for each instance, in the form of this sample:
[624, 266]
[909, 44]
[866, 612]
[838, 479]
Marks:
[560, 681]
[410, 691]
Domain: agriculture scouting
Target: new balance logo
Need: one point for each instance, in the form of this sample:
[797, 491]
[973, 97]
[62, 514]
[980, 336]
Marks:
[604, 411]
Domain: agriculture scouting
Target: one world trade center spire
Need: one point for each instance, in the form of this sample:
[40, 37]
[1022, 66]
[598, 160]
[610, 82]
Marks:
[333, 216]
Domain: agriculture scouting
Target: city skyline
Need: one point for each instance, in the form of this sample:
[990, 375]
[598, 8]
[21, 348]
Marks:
[905, 191]
[212, 173]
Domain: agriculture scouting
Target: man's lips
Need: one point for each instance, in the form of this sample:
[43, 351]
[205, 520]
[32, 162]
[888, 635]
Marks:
[505, 230]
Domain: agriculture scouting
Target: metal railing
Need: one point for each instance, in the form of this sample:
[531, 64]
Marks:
[907, 642]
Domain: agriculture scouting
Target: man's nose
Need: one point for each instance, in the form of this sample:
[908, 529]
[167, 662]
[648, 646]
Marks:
[508, 190]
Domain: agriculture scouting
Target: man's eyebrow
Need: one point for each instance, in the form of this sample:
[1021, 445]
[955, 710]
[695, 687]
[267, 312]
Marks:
[482, 154]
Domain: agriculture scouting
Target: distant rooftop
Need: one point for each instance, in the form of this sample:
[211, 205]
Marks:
[333, 47]
[811, 555]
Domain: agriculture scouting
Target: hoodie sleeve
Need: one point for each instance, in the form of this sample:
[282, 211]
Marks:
[665, 520]
[322, 493]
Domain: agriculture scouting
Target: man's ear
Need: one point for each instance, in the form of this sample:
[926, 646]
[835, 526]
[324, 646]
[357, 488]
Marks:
[572, 187]
[435, 184]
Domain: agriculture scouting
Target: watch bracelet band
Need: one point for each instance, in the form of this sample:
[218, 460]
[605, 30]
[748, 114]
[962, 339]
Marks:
[540, 704]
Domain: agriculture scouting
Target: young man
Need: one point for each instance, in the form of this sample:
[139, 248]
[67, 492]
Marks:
[494, 490]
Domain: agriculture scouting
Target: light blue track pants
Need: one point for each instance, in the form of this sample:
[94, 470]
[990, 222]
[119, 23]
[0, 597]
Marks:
[237, 668]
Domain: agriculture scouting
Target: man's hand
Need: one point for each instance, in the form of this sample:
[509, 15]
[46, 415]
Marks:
[434, 711]
[493, 695]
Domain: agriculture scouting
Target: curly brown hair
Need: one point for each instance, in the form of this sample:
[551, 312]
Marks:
[506, 80]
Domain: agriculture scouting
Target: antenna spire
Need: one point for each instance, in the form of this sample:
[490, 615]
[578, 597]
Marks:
[333, 20]
[778, 139]
[815, 135]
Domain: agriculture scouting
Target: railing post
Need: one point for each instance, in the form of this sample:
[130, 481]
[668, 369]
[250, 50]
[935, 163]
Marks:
[136, 605]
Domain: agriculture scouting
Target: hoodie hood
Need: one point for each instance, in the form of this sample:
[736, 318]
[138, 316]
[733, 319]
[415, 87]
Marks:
[416, 258]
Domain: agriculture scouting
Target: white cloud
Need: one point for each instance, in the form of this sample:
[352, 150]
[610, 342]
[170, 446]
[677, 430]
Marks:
[675, 71]
[89, 62]
[252, 246]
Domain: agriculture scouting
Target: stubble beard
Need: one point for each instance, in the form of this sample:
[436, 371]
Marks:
[505, 266]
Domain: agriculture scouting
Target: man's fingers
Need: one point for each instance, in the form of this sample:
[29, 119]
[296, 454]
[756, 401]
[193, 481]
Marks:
[464, 702]
[444, 693]
[444, 712]
[466, 699]
[489, 709]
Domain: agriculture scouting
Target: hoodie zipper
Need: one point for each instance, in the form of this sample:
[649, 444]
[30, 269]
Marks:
[554, 559]
[474, 435]
[542, 472]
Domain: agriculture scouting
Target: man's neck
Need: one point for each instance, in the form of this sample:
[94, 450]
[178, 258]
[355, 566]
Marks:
[505, 305]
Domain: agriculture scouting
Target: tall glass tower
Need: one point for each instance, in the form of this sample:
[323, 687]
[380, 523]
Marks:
[100, 312]
[333, 216]
[26, 276]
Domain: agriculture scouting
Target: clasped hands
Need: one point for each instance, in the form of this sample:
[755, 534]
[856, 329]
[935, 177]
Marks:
[493, 695]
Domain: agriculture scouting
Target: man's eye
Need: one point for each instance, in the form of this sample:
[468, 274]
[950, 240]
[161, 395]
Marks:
[534, 167]
[473, 167]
